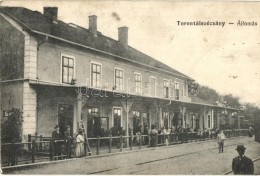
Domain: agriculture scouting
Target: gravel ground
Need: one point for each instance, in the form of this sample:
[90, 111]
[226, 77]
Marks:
[190, 158]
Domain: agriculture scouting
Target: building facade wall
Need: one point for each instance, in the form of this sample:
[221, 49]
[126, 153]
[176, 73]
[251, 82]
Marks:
[12, 96]
[47, 108]
[49, 100]
[20, 64]
[29, 109]
[49, 65]
[49, 69]
[43, 63]
[30, 95]
[11, 51]
[11, 66]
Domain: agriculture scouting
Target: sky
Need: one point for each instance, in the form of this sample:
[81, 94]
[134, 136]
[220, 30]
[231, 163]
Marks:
[225, 58]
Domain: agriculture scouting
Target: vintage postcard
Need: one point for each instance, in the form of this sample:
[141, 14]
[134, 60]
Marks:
[120, 87]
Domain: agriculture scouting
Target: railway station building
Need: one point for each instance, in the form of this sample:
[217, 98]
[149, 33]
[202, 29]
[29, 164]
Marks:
[64, 74]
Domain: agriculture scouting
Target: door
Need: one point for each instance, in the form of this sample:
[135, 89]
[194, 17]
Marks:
[104, 126]
[117, 115]
[97, 126]
[166, 119]
[136, 122]
[94, 122]
[145, 118]
[175, 119]
[215, 121]
[197, 123]
[65, 117]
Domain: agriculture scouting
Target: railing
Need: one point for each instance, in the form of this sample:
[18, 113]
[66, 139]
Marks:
[23, 153]
[40, 149]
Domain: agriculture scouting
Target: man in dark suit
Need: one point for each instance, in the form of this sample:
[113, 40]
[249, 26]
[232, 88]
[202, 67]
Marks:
[56, 135]
[241, 164]
[69, 138]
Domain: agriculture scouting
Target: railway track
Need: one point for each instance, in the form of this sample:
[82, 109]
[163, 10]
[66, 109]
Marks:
[162, 159]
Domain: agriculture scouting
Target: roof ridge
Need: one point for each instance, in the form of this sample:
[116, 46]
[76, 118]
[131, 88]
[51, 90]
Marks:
[193, 96]
[62, 30]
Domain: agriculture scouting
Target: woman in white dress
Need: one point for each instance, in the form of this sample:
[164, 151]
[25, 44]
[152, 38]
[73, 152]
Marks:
[80, 144]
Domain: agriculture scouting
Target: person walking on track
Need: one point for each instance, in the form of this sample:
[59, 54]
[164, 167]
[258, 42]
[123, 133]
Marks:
[220, 138]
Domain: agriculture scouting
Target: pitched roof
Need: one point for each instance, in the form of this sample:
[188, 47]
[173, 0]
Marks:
[195, 99]
[36, 21]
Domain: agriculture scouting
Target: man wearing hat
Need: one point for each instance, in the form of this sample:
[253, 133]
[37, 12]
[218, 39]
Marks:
[69, 138]
[56, 135]
[241, 164]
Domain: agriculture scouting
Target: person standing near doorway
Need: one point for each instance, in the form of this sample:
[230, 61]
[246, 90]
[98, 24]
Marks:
[220, 138]
[56, 135]
[69, 138]
[80, 143]
[146, 131]
[153, 134]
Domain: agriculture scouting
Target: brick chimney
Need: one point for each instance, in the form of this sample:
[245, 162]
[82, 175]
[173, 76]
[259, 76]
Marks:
[93, 24]
[123, 35]
[51, 12]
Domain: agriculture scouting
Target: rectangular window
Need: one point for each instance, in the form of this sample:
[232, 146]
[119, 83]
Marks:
[165, 89]
[136, 113]
[176, 87]
[119, 80]
[95, 75]
[93, 111]
[67, 69]
[138, 83]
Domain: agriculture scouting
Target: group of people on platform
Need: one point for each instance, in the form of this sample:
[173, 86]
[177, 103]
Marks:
[64, 143]
[60, 147]
[179, 131]
[240, 164]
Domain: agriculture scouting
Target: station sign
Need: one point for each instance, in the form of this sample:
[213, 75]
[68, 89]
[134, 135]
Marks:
[7, 113]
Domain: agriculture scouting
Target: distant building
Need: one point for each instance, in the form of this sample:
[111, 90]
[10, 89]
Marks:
[59, 73]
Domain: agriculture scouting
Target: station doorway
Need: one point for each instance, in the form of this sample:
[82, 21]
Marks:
[65, 117]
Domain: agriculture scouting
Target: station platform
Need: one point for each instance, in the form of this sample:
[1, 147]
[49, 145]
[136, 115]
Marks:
[188, 158]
